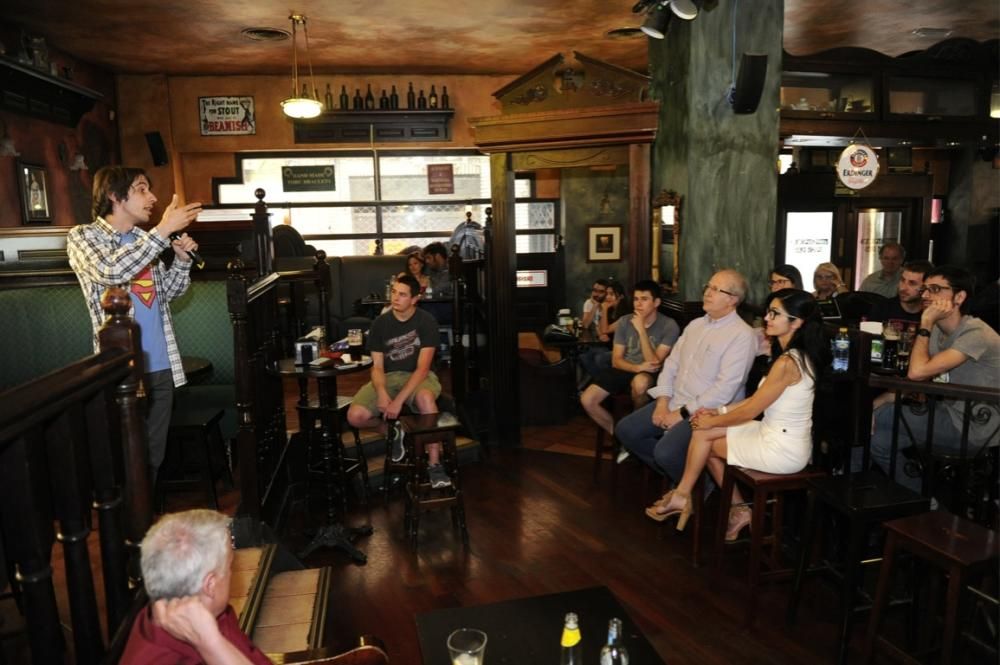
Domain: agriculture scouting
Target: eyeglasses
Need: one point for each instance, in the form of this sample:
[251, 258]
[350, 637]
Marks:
[772, 313]
[713, 287]
[782, 280]
[934, 289]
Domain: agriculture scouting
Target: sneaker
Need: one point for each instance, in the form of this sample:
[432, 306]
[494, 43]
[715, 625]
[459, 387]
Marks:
[623, 455]
[396, 434]
[438, 477]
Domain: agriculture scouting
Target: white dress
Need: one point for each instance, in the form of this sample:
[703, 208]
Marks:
[782, 441]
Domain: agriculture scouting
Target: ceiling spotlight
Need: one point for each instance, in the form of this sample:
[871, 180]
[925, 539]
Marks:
[656, 22]
[685, 9]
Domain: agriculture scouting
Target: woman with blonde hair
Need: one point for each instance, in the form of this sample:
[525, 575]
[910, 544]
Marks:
[827, 281]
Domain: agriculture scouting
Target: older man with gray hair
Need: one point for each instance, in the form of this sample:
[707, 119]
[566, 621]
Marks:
[706, 368]
[186, 565]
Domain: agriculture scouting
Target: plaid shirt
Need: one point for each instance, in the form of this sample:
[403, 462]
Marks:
[100, 260]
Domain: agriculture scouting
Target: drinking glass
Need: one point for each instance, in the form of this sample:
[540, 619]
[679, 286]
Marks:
[467, 646]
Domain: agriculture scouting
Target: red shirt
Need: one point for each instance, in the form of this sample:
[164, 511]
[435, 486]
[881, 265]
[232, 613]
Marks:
[148, 644]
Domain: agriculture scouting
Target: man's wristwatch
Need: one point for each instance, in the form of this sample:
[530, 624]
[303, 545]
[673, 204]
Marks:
[924, 332]
[685, 414]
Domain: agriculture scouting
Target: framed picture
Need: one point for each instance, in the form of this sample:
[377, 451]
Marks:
[604, 243]
[33, 183]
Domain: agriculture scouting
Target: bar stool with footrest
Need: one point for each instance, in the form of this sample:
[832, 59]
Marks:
[392, 470]
[959, 547]
[421, 430]
[201, 428]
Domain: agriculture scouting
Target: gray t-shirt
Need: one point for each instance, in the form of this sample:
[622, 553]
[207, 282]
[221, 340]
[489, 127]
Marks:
[981, 345]
[400, 341]
[663, 330]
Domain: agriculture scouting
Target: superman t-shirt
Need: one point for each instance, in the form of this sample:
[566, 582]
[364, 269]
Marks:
[146, 311]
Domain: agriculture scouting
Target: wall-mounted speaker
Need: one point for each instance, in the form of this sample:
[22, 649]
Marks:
[157, 150]
[745, 95]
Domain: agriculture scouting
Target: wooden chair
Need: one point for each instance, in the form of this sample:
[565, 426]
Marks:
[957, 546]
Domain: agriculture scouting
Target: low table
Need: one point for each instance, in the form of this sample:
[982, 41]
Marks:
[527, 630]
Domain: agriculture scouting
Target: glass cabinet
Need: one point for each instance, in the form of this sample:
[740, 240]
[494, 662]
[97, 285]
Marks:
[834, 94]
[923, 97]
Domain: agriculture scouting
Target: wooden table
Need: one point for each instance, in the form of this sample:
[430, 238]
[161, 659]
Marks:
[527, 630]
[196, 368]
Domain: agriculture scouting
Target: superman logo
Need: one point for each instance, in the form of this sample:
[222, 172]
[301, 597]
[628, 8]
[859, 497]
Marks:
[142, 287]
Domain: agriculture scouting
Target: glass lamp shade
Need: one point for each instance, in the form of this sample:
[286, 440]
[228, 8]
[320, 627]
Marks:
[301, 107]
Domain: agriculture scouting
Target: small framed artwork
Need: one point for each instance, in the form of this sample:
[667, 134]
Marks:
[33, 181]
[604, 243]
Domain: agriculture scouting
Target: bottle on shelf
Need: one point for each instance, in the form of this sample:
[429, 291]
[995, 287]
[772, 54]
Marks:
[394, 98]
[369, 99]
[305, 91]
[328, 99]
[345, 101]
[411, 98]
[421, 100]
[432, 99]
[842, 351]
[571, 652]
[614, 652]
[358, 102]
[445, 102]
[383, 100]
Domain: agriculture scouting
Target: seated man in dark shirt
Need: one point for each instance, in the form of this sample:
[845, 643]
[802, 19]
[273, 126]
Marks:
[186, 562]
[908, 305]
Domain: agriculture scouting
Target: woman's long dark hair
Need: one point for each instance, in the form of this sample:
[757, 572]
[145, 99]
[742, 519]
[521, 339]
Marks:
[624, 305]
[809, 338]
[789, 272]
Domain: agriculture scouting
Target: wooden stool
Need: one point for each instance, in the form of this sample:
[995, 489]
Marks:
[421, 430]
[767, 488]
[197, 425]
[952, 543]
[865, 500]
[620, 406]
[345, 466]
[389, 468]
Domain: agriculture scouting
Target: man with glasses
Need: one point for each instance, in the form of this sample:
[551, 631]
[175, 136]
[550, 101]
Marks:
[592, 305]
[908, 305]
[950, 347]
[707, 368]
[186, 563]
[884, 281]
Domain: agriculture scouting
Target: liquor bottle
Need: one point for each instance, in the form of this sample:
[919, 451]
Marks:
[394, 98]
[411, 99]
[614, 653]
[358, 103]
[383, 101]
[421, 100]
[842, 351]
[369, 98]
[432, 99]
[345, 101]
[571, 652]
[328, 99]
[305, 91]
[444, 97]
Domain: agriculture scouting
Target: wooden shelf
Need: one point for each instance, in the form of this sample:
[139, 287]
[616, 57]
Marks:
[31, 92]
[395, 126]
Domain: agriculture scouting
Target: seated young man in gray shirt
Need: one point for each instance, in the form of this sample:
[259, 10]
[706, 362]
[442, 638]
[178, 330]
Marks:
[402, 343]
[640, 345]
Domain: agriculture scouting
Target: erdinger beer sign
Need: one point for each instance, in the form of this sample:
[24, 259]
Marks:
[858, 166]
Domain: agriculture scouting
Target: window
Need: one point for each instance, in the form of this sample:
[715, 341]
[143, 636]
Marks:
[382, 204]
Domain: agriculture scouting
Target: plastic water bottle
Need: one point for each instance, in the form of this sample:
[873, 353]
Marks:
[841, 351]
[571, 652]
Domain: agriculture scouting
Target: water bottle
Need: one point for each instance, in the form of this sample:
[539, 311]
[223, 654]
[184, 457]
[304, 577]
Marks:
[614, 653]
[841, 351]
[571, 653]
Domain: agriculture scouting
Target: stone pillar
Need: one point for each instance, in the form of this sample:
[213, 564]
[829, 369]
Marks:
[721, 163]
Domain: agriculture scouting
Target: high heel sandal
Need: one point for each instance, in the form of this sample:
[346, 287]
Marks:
[739, 517]
[684, 512]
[663, 500]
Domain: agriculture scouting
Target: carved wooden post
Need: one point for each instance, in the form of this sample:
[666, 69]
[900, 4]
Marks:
[456, 268]
[263, 242]
[322, 269]
[121, 332]
[236, 296]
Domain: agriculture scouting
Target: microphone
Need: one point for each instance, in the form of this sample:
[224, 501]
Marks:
[193, 255]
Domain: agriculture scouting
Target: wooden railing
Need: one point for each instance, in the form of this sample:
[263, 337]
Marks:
[70, 442]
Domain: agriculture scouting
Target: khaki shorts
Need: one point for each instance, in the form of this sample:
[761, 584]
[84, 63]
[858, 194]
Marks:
[367, 399]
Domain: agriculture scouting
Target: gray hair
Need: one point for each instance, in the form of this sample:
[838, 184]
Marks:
[739, 284]
[181, 549]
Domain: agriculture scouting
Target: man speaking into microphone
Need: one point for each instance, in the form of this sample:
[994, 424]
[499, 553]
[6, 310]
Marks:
[113, 251]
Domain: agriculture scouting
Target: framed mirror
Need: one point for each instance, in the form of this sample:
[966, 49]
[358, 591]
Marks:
[667, 231]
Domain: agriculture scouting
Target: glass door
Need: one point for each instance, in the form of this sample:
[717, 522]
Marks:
[875, 227]
[808, 241]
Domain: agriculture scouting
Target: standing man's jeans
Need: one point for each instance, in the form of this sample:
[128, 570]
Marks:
[159, 406]
[665, 451]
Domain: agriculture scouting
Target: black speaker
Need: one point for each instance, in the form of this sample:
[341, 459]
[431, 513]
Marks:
[745, 95]
[157, 150]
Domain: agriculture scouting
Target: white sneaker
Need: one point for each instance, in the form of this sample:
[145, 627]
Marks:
[623, 455]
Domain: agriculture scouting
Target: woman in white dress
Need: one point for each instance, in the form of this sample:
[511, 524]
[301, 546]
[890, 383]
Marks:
[782, 441]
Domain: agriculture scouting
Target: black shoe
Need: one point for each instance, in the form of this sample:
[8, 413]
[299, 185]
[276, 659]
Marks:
[438, 476]
[395, 436]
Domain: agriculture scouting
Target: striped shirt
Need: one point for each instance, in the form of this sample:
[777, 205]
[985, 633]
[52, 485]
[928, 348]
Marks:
[100, 260]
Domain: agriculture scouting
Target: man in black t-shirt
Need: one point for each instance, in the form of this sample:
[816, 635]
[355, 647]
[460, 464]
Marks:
[402, 343]
[908, 305]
